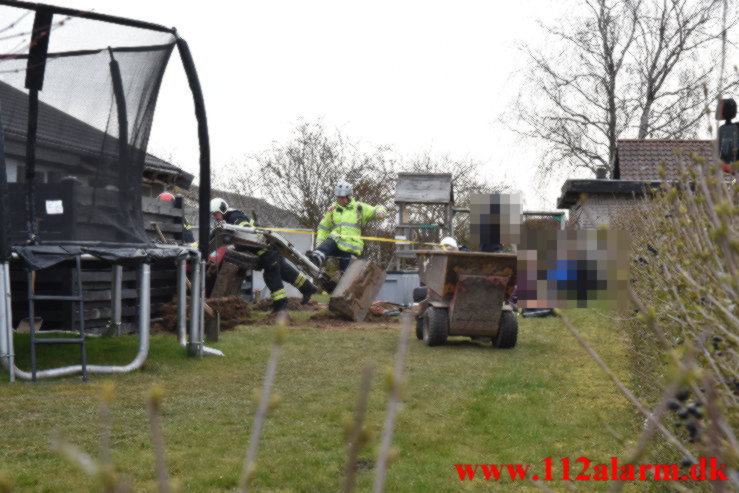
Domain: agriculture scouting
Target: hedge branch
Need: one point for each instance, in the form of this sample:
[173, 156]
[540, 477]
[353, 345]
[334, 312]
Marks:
[393, 405]
[263, 409]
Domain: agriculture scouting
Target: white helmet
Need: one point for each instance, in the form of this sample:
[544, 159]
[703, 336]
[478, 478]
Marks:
[449, 243]
[343, 189]
[218, 205]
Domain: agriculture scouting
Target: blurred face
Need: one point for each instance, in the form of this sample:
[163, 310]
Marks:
[218, 216]
[342, 200]
[495, 218]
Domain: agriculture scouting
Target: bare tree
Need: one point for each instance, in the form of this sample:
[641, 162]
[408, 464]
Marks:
[300, 175]
[622, 68]
[240, 177]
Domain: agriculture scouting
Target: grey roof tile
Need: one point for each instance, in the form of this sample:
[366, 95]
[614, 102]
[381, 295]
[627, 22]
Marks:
[641, 159]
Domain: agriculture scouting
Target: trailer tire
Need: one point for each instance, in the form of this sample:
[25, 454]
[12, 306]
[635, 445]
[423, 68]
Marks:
[419, 328]
[419, 294]
[507, 331]
[435, 326]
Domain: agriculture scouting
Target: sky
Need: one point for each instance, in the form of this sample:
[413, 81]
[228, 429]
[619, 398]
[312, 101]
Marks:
[420, 76]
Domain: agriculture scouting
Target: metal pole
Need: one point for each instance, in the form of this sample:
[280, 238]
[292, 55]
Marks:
[201, 294]
[197, 95]
[31, 320]
[4, 332]
[116, 295]
[181, 301]
[9, 323]
[192, 345]
[144, 316]
[89, 15]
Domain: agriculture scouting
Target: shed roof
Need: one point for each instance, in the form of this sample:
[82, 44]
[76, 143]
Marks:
[640, 159]
[572, 190]
[424, 188]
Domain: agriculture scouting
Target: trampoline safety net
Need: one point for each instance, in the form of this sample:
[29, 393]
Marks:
[97, 84]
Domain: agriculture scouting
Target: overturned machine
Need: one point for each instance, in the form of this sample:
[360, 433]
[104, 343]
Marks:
[351, 295]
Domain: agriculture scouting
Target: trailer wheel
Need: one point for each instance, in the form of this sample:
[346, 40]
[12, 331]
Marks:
[435, 326]
[420, 293]
[507, 332]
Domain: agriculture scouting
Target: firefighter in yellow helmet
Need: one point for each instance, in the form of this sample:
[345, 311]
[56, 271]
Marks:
[340, 229]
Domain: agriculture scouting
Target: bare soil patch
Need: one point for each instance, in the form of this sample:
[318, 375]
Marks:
[233, 311]
[293, 304]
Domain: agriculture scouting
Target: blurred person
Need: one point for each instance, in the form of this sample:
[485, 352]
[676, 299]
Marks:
[495, 222]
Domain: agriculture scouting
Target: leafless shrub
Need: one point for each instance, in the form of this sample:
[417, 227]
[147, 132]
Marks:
[357, 434]
[267, 402]
[685, 270]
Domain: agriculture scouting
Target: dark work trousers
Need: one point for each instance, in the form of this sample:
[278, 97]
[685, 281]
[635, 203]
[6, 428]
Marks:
[330, 249]
[285, 271]
[276, 269]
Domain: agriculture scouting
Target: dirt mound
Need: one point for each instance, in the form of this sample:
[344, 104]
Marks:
[278, 318]
[329, 319]
[233, 311]
[293, 304]
[375, 317]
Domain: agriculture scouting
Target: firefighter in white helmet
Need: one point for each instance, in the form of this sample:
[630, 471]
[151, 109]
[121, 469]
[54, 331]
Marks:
[449, 244]
[272, 263]
[339, 232]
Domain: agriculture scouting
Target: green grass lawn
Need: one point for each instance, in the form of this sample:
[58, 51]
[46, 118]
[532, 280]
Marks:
[463, 403]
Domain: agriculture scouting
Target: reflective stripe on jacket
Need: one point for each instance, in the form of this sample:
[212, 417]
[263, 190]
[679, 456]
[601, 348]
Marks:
[344, 224]
[238, 218]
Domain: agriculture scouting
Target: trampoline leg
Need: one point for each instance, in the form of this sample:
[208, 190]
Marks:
[195, 344]
[7, 359]
[116, 295]
[182, 301]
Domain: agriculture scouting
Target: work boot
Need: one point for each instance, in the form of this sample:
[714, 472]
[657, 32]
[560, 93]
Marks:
[316, 257]
[307, 290]
[279, 305]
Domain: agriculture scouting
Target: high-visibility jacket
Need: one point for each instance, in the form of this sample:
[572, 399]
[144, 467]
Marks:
[344, 224]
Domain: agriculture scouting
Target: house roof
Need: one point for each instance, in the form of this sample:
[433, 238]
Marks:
[640, 159]
[62, 131]
[268, 215]
[636, 168]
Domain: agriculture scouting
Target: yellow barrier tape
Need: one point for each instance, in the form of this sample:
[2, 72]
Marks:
[368, 238]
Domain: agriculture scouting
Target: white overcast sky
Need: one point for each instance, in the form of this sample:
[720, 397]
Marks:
[417, 75]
